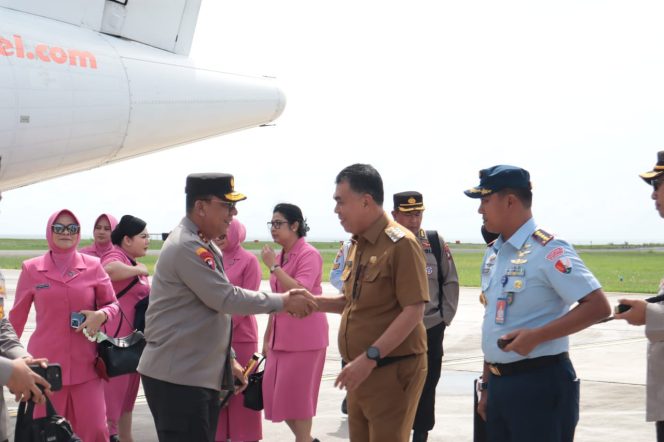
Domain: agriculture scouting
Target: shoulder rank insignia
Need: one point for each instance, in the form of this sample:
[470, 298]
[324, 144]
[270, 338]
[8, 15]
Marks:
[395, 233]
[206, 256]
[542, 237]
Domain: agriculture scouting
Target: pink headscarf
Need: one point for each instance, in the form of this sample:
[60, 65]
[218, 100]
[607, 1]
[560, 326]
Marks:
[61, 257]
[235, 235]
[241, 266]
[96, 249]
[102, 249]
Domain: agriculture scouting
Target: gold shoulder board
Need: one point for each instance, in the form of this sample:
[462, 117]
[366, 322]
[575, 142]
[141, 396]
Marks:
[542, 237]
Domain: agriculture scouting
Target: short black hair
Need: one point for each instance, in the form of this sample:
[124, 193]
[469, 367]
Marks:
[363, 178]
[191, 200]
[524, 195]
[293, 214]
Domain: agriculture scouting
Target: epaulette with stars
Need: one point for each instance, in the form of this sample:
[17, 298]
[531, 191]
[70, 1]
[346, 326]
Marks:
[542, 237]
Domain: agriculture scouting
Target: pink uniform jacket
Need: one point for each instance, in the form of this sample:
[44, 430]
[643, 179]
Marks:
[127, 301]
[243, 270]
[84, 286]
[305, 265]
[98, 250]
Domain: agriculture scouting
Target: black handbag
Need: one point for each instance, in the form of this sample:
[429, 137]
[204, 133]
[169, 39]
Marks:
[253, 394]
[52, 428]
[140, 308]
[118, 356]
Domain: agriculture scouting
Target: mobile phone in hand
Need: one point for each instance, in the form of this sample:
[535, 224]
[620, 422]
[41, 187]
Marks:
[52, 373]
[76, 319]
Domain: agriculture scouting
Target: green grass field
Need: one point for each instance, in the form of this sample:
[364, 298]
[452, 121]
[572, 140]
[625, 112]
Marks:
[618, 268]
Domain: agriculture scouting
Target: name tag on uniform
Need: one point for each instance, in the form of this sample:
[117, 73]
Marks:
[501, 310]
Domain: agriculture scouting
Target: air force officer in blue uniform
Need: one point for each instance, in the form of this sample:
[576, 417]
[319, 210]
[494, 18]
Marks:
[530, 279]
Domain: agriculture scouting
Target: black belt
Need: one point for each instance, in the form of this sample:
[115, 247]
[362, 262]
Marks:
[526, 364]
[390, 359]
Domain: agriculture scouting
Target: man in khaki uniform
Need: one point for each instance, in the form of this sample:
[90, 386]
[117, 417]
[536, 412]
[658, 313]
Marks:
[443, 301]
[187, 361]
[381, 337]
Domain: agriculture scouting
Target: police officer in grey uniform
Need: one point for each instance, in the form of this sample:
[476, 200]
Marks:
[529, 282]
[187, 366]
[441, 308]
[15, 372]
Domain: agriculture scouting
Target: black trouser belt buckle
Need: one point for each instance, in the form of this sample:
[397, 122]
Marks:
[390, 359]
[526, 364]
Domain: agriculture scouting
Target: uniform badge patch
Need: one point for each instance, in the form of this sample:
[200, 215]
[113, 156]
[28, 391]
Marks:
[555, 254]
[448, 254]
[564, 265]
[42, 286]
[429, 270]
[206, 256]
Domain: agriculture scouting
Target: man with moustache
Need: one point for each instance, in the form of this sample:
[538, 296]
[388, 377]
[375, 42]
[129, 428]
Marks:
[529, 390]
[443, 301]
[381, 336]
[187, 366]
[651, 314]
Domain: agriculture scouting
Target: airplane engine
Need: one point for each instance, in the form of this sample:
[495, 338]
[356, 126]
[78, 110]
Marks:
[72, 99]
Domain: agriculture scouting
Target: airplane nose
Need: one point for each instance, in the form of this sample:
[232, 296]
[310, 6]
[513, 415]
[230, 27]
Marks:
[281, 103]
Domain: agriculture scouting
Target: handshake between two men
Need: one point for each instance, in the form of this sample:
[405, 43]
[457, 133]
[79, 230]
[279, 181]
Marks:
[299, 303]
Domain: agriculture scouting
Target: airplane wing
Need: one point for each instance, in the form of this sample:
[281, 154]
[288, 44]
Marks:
[167, 25]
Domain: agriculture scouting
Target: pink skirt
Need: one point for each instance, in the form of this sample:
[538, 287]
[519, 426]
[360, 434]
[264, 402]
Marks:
[120, 393]
[291, 383]
[236, 422]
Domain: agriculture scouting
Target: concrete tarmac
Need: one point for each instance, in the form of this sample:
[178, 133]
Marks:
[610, 360]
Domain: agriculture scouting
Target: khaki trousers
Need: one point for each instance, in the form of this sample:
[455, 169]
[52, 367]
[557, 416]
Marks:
[382, 408]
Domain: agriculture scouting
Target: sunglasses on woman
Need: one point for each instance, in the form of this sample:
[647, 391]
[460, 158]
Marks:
[73, 229]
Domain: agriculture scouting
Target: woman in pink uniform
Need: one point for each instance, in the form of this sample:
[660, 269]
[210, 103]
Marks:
[295, 347]
[130, 240]
[101, 244]
[237, 423]
[59, 283]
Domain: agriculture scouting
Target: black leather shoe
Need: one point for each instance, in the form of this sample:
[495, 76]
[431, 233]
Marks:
[420, 436]
[344, 407]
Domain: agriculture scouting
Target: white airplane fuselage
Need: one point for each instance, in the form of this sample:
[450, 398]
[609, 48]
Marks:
[72, 99]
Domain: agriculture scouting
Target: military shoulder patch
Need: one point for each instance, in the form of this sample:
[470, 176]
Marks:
[394, 233]
[542, 237]
[206, 256]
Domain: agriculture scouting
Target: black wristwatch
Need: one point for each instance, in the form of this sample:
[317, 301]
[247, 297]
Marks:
[373, 353]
